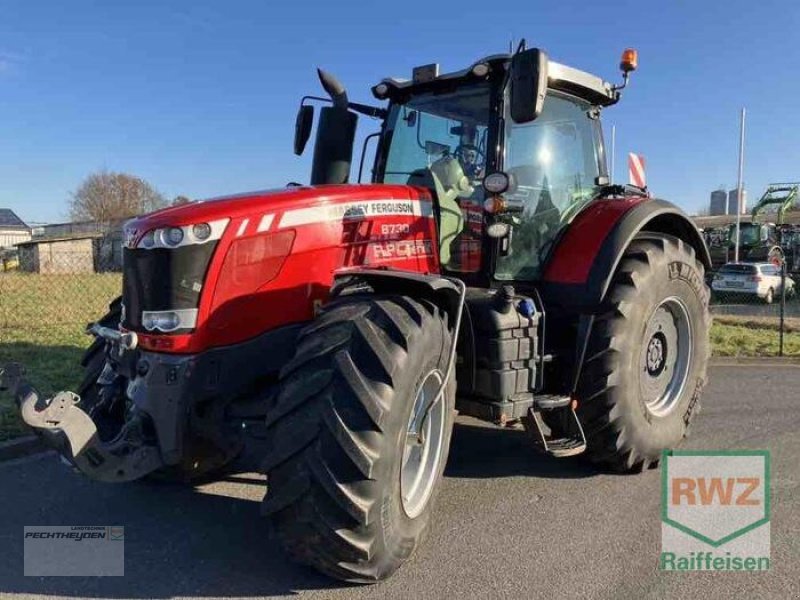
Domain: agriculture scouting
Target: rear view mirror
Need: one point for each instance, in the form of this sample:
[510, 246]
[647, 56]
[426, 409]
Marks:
[302, 127]
[528, 84]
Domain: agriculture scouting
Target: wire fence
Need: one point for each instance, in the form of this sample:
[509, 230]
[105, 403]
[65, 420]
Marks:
[756, 308]
[44, 310]
[47, 299]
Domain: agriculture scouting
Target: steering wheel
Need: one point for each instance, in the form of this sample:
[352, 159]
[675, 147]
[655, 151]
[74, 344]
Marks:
[480, 157]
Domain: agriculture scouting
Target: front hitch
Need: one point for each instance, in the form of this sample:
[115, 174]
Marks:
[63, 425]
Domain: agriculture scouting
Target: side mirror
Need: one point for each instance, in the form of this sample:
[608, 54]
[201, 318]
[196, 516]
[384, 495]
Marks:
[528, 84]
[302, 127]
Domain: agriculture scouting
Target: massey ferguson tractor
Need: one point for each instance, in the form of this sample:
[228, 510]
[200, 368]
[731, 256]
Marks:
[489, 269]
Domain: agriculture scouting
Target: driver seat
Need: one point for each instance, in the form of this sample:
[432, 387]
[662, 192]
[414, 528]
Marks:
[449, 183]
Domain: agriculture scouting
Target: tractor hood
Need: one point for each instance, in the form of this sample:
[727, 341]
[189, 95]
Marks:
[274, 202]
[200, 275]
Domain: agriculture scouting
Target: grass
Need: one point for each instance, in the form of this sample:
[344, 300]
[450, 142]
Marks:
[42, 318]
[42, 322]
[745, 337]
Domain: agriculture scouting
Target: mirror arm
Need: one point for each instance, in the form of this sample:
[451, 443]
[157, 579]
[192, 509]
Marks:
[364, 109]
[364, 152]
[317, 98]
[369, 111]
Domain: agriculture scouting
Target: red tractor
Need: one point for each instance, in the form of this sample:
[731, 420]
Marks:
[489, 269]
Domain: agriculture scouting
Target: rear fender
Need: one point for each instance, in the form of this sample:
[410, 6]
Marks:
[580, 269]
[584, 261]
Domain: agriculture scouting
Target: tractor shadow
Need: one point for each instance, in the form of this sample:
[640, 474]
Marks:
[482, 451]
[208, 540]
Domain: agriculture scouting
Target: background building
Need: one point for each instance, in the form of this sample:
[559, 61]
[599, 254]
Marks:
[719, 203]
[12, 229]
[733, 201]
[59, 255]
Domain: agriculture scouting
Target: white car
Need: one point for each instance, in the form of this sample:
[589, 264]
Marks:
[754, 279]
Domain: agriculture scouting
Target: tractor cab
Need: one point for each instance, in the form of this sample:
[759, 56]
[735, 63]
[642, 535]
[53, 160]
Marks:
[510, 148]
[752, 234]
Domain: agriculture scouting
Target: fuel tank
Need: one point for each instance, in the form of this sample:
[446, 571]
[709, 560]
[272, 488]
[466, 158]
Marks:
[242, 265]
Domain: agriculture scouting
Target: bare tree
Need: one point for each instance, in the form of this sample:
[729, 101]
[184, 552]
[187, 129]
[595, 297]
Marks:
[106, 196]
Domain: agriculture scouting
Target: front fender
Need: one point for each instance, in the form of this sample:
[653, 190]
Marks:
[445, 292]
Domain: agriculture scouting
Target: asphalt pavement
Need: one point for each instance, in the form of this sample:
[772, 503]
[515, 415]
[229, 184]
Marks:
[508, 523]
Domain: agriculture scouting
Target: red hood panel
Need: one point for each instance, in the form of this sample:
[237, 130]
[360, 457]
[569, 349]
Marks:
[275, 262]
[272, 201]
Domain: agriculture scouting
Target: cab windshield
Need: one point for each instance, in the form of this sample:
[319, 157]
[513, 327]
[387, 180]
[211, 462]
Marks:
[438, 141]
[749, 234]
[554, 163]
[432, 126]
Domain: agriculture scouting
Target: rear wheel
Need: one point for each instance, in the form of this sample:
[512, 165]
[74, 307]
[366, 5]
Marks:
[359, 436]
[770, 296]
[647, 356]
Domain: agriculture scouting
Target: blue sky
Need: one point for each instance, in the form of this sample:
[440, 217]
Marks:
[199, 97]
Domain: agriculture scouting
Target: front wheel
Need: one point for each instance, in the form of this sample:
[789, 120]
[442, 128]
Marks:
[647, 355]
[359, 435]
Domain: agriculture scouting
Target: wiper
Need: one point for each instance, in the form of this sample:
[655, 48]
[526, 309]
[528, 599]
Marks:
[609, 191]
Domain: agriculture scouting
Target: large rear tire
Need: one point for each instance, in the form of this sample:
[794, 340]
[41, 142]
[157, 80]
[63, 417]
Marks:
[646, 361]
[350, 489]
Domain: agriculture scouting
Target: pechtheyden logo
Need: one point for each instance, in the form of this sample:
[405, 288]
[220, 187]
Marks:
[715, 510]
[71, 550]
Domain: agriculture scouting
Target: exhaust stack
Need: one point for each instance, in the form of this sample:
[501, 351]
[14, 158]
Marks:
[336, 133]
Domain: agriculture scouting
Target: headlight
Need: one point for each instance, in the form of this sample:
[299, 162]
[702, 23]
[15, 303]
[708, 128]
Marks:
[496, 183]
[201, 231]
[498, 230]
[148, 240]
[184, 235]
[381, 91]
[169, 320]
[480, 70]
[174, 236]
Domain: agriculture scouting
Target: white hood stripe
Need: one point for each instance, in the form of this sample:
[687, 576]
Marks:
[346, 211]
[265, 223]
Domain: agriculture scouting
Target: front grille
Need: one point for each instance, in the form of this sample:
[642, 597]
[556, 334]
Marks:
[162, 279]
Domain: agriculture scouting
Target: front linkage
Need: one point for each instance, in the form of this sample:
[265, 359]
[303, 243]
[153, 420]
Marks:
[62, 424]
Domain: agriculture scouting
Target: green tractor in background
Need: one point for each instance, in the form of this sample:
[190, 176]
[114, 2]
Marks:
[761, 241]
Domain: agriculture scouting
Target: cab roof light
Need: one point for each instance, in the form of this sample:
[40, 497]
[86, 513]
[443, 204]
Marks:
[629, 60]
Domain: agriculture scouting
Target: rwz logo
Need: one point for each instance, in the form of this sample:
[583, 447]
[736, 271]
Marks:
[715, 510]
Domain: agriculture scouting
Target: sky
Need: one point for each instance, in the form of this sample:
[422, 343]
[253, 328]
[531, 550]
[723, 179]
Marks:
[199, 97]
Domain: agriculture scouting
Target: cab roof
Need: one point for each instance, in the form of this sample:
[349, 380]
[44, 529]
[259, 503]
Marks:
[560, 77]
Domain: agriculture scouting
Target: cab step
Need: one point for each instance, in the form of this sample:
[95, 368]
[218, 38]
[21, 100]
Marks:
[560, 431]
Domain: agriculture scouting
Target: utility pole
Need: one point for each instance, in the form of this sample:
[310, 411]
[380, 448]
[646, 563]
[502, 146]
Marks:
[739, 187]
